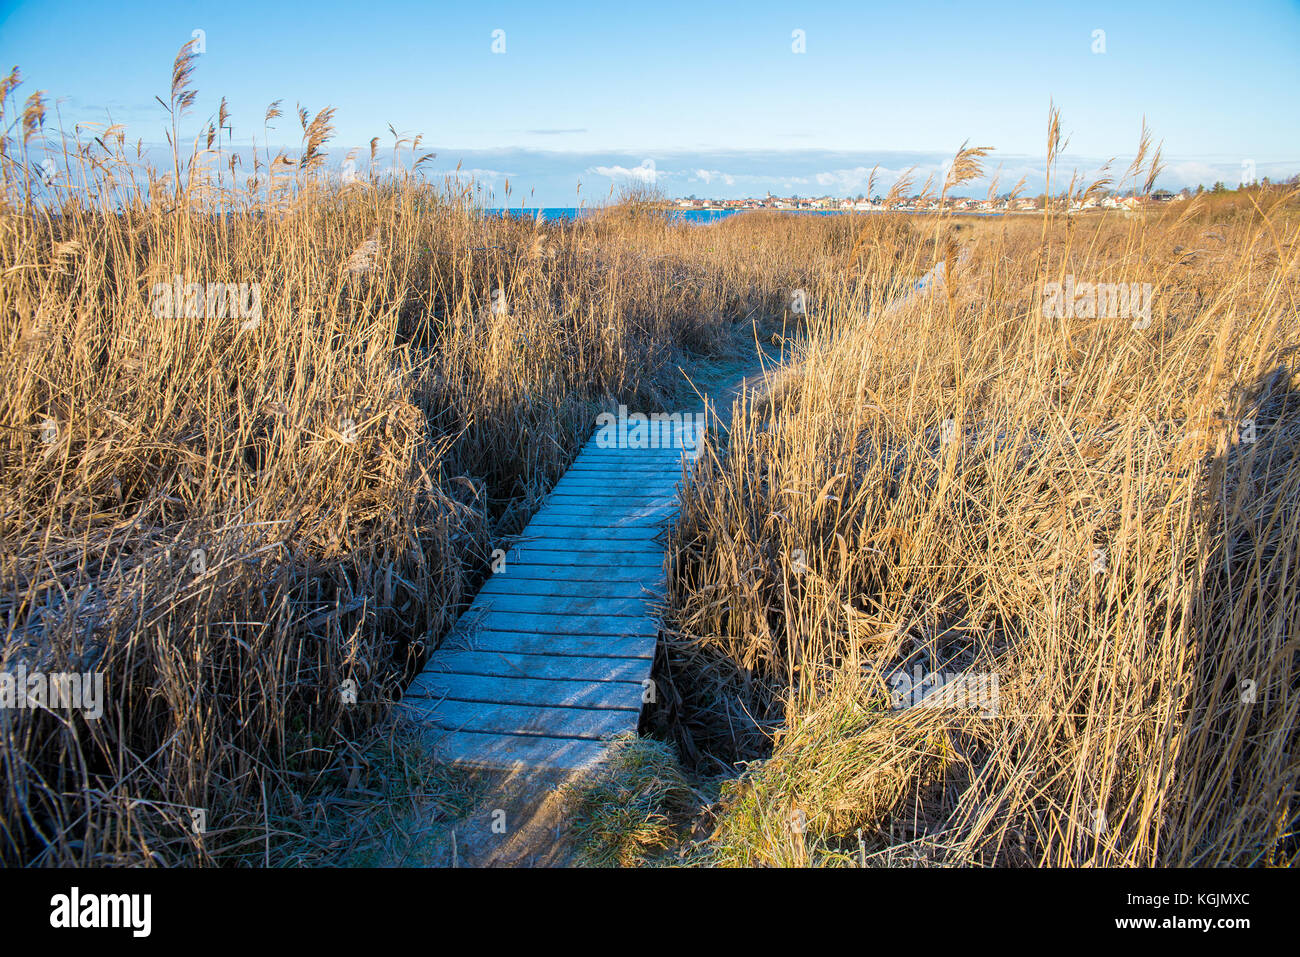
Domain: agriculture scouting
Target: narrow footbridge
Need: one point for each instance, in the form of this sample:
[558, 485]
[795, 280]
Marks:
[553, 657]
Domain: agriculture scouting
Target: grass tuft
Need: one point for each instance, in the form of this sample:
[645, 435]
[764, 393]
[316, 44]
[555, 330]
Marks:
[631, 812]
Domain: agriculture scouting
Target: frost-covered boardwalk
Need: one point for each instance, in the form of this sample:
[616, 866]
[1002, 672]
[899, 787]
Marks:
[554, 655]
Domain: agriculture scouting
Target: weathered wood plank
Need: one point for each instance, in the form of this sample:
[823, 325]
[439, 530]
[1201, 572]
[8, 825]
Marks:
[625, 469]
[609, 508]
[482, 718]
[504, 583]
[615, 514]
[568, 624]
[535, 643]
[587, 521]
[670, 450]
[605, 490]
[661, 437]
[506, 752]
[593, 558]
[646, 574]
[661, 458]
[559, 540]
[502, 664]
[650, 485]
[584, 605]
[553, 539]
[660, 473]
[551, 692]
[602, 491]
[629, 470]
[604, 518]
[633, 533]
[610, 476]
[617, 500]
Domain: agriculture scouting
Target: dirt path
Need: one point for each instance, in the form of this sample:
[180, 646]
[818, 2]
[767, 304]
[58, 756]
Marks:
[749, 358]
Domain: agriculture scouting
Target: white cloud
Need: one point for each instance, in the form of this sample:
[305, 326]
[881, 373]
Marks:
[855, 179]
[709, 175]
[645, 172]
[474, 173]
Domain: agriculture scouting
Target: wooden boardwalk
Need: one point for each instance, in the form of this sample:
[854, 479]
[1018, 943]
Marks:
[554, 655]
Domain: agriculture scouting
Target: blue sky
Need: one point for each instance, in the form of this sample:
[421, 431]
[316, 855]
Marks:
[711, 97]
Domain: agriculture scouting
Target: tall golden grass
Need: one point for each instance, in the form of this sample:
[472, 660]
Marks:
[230, 518]
[1104, 515]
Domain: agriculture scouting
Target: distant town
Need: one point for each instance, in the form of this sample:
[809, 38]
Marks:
[919, 203]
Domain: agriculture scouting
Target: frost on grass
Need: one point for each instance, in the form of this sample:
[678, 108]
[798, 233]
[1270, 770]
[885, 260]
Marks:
[631, 812]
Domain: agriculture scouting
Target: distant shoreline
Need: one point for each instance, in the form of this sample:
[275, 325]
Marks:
[714, 215]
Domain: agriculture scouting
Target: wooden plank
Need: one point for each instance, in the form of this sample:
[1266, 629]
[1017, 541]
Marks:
[568, 624]
[610, 511]
[647, 575]
[589, 518]
[503, 583]
[667, 472]
[631, 474]
[535, 643]
[587, 521]
[556, 540]
[553, 604]
[655, 439]
[665, 484]
[654, 432]
[673, 448]
[613, 488]
[630, 534]
[665, 464]
[667, 445]
[503, 664]
[658, 438]
[549, 538]
[594, 558]
[550, 692]
[666, 457]
[674, 421]
[615, 469]
[663, 440]
[484, 718]
[617, 499]
[506, 752]
[632, 463]
[619, 476]
[611, 503]
[611, 475]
